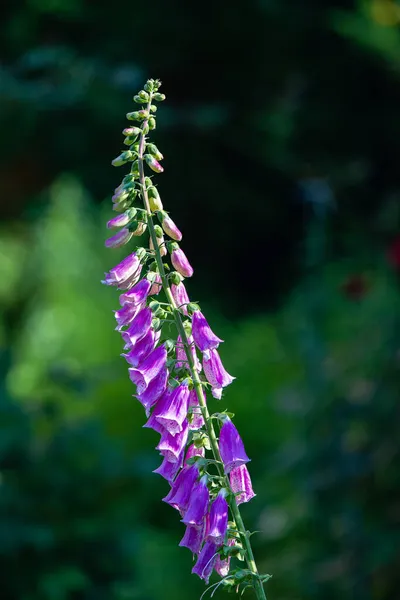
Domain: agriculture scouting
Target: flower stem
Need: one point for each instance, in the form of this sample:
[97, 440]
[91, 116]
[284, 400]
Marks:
[244, 535]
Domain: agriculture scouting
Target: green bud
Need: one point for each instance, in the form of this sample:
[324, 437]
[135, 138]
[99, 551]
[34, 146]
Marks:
[140, 253]
[175, 278]
[149, 85]
[152, 123]
[152, 148]
[192, 308]
[129, 179]
[135, 168]
[152, 191]
[131, 131]
[146, 129]
[156, 324]
[137, 115]
[153, 163]
[171, 246]
[158, 231]
[143, 95]
[159, 97]
[147, 181]
[121, 206]
[138, 99]
[119, 160]
[128, 141]
[153, 108]
[155, 205]
[153, 270]
[154, 305]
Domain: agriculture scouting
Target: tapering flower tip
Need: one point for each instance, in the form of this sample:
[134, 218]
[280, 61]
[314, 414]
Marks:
[142, 348]
[198, 504]
[122, 220]
[181, 297]
[136, 295]
[194, 451]
[222, 565]
[121, 276]
[192, 539]
[126, 314]
[206, 561]
[218, 519]
[241, 482]
[154, 390]
[182, 360]
[215, 372]
[169, 470]
[171, 446]
[153, 163]
[149, 368]
[170, 228]
[156, 283]
[181, 263]
[138, 327]
[196, 420]
[203, 336]
[179, 494]
[231, 446]
[171, 409]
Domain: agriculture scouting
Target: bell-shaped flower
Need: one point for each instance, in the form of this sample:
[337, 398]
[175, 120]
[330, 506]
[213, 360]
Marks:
[241, 482]
[181, 297]
[206, 561]
[198, 504]
[126, 314]
[136, 295]
[169, 470]
[142, 348]
[196, 420]
[154, 390]
[193, 451]
[215, 372]
[192, 539]
[171, 446]
[222, 564]
[218, 519]
[122, 220]
[181, 263]
[119, 239]
[123, 274]
[231, 446]
[171, 409]
[179, 494]
[138, 327]
[149, 368]
[202, 334]
[182, 361]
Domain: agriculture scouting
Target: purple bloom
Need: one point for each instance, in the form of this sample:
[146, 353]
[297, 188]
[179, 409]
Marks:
[171, 409]
[171, 446]
[218, 519]
[154, 390]
[119, 239]
[142, 348]
[181, 297]
[126, 314]
[182, 361]
[169, 470]
[206, 561]
[215, 372]
[198, 504]
[241, 482]
[123, 274]
[171, 229]
[138, 328]
[222, 564]
[120, 220]
[192, 539]
[150, 367]
[152, 423]
[179, 494]
[181, 263]
[193, 451]
[196, 421]
[137, 294]
[231, 446]
[202, 334]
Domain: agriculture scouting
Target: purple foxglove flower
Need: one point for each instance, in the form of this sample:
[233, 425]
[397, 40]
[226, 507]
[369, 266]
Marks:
[215, 372]
[154, 390]
[206, 561]
[182, 361]
[138, 327]
[122, 274]
[222, 564]
[241, 482]
[171, 229]
[171, 446]
[231, 446]
[152, 423]
[202, 334]
[156, 286]
[192, 539]
[179, 494]
[181, 297]
[218, 519]
[136, 295]
[153, 163]
[198, 504]
[169, 470]
[119, 239]
[171, 409]
[193, 451]
[181, 263]
[120, 220]
[150, 367]
[196, 421]
[141, 349]
[126, 314]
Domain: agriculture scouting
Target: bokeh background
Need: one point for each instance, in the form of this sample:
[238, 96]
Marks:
[281, 133]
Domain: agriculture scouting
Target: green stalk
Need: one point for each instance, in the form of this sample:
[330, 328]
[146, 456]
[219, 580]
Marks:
[244, 535]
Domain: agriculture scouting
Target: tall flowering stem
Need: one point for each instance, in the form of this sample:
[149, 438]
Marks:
[172, 406]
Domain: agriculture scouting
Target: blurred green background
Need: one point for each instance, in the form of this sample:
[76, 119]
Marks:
[281, 133]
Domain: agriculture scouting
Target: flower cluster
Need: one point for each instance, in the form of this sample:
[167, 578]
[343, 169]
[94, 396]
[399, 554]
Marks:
[208, 477]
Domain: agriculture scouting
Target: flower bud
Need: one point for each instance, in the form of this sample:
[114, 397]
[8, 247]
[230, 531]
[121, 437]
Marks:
[128, 141]
[140, 253]
[123, 219]
[152, 123]
[161, 246]
[121, 206]
[181, 263]
[137, 115]
[158, 231]
[159, 97]
[119, 239]
[171, 229]
[138, 99]
[152, 148]
[153, 163]
[148, 86]
[140, 228]
[175, 278]
[132, 131]
[152, 191]
[155, 204]
[143, 95]
[153, 108]
[192, 307]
